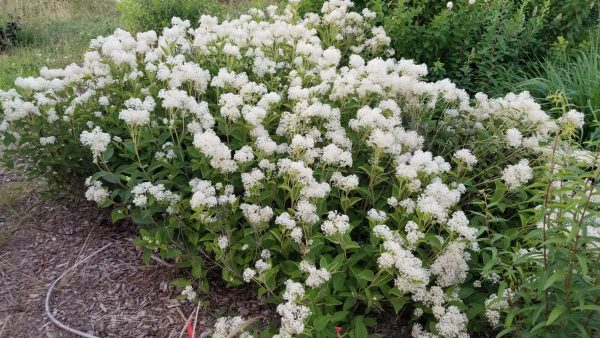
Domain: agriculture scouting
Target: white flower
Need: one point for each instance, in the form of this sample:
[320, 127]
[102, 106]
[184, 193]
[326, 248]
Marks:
[383, 232]
[204, 194]
[244, 154]
[333, 155]
[516, 175]
[344, 183]
[316, 277]
[219, 153]
[158, 191]
[465, 156]
[296, 234]
[96, 140]
[450, 267]
[452, 323]
[514, 137]
[572, 117]
[449, 5]
[293, 290]
[459, 223]
[47, 140]
[336, 224]
[137, 112]
[249, 274]
[377, 215]
[223, 242]
[262, 266]
[189, 293]
[494, 305]
[255, 214]
[252, 180]
[95, 191]
[227, 326]
[286, 220]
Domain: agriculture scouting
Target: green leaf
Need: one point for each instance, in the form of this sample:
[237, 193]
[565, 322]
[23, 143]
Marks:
[360, 330]
[339, 316]
[181, 282]
[550, 281]
[117, 214]
[192, 237]
[321, 322]
[338, 282]
[555, 314]
[366, 275]
[398, 303]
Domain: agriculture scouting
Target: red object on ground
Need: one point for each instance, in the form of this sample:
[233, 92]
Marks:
[190, 330]
[338, 331]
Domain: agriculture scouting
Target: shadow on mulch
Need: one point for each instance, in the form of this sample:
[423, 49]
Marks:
[113, 294]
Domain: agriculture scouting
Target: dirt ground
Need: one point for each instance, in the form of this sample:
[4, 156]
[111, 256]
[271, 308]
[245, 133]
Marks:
[112, 295]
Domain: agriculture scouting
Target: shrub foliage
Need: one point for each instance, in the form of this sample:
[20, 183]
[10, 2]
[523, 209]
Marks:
[290, 153]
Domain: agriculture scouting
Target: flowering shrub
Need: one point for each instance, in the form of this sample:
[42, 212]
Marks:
[290, 153]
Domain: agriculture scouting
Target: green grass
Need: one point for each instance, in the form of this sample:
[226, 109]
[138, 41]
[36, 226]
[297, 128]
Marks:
[54, 33]
[144, 15]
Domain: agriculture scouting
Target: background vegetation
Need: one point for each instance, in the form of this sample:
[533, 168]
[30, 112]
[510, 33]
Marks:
[572, 73]
[53, 33]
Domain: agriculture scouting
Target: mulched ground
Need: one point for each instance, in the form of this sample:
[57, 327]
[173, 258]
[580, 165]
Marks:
[112, 295]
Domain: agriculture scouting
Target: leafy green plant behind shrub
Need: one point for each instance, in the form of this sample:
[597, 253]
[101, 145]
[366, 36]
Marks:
[574, 75]
[289, 153]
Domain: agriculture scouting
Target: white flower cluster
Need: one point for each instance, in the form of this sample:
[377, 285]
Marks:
[572, 117]
[316, 277]
[189, 293]
[336, 224]
[223, 242]
[228, 326]
[518, 174]
[288, 222]
[494, 305]
[255, 214]
[466, 157]
[96, 140]
[160, 193]
[47, 140]
[95, 191]
[137, 112]
[293, 315]
[205, 194]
